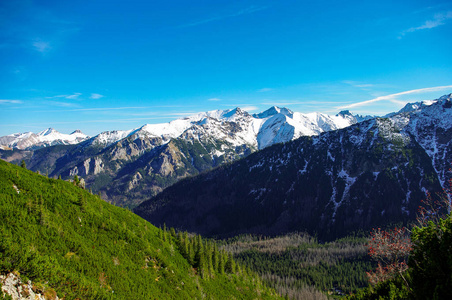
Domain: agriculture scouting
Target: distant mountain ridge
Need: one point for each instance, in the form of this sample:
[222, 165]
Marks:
[258, 130]
[254, 129]
[368, 174]
[128, 166]
[45, 138]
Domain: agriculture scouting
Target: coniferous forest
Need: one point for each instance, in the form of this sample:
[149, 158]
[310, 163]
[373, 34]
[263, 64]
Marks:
[74, 245]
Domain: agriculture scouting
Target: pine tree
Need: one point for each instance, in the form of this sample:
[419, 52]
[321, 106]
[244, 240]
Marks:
[230, 264]
[186, 248]
[191, 253]
[164, 232]
[216, 258]
[82, 202]
[76, 180]
[222, 262]
[199, 253]
[209, 262]
[22, 164]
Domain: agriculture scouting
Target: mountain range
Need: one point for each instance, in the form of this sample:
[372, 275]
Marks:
[45, 138]
[368, 174]
[258, 130]
[129, 166]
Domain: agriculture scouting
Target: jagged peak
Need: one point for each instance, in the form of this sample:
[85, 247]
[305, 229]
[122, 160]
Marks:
[236, 111]
[47, 131]
[344, 113]
[409, 107]
[447, 97]
[77, 131]
[273, 111]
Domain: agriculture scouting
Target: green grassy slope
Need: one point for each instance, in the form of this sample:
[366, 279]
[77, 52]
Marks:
[66, 239]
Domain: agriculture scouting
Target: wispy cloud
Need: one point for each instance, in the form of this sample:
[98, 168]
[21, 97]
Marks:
[438, 20]
[94, 108]
[153, 113]
[103, 109]
[96, 96]
[41, 46]
[250, 108]
[283, 103]
[263, 90]
[393, 97]
[246, 11]
[61, 104]
[30, 25]
[8, 101]
[358, 84]
[214, 99]
[71, 96]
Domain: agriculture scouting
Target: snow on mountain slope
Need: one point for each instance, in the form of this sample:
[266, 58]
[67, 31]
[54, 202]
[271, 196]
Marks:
[366, 175]
[282, 126]
[234, 126]
[107, 138]
[45, 138]
[431, 125]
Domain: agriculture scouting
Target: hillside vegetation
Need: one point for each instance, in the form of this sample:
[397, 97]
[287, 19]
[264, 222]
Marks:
[429, 269]
[301, 267]
[73, 244]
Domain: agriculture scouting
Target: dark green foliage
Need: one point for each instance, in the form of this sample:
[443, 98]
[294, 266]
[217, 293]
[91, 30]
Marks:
[22, 164]
[429, 275]
[56, 234]
[431, 260]
[328, 186]
[204, 255]
[391, 290]
[101, 180]
[76, 180]
[294, 262]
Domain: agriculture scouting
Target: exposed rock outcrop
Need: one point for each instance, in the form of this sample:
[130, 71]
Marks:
[13, 286]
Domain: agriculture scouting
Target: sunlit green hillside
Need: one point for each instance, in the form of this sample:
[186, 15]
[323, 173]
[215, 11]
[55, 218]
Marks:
[67, 240]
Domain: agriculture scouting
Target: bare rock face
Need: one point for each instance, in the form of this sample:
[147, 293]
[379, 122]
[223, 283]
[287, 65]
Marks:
[13, 286]
[135, 181]
[74, 171]
[98, 166]
[91, 166]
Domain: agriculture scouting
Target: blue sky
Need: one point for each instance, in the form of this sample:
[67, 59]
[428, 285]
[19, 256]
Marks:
[106, 65]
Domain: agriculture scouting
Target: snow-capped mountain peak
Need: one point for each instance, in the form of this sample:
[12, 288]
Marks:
[45, 138]
[234, 113]
[235, 126]
[78, 132]
[273, 111]
[48, 131]
[409, 107]
[345, 114]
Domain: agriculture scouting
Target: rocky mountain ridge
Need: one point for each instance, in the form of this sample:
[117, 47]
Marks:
[46, 138]
[129, 166]
[253, 129]
[371, 173]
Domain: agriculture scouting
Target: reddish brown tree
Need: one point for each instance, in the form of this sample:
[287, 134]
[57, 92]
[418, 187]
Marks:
[391, 249]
